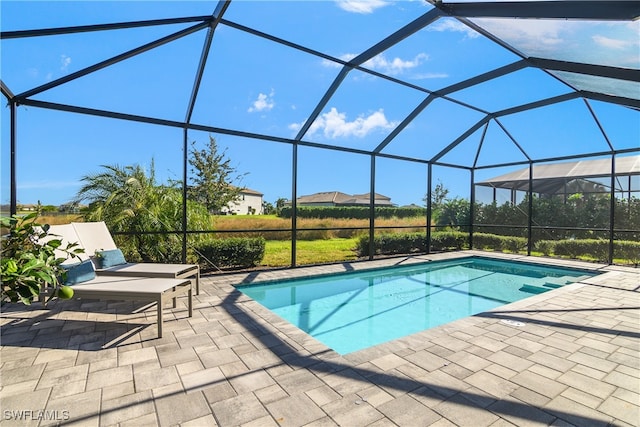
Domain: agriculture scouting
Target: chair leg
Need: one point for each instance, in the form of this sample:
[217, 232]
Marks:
[160, 304]
[190, 301]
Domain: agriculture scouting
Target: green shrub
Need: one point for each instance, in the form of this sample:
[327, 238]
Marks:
[406, 243]
[237, 252]
[574, 248]
[30, 259]
[449, 240]
[627, 250]
[544, 246]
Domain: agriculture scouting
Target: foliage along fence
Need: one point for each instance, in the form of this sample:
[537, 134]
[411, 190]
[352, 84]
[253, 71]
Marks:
[557, 219]
[407, 243]
[238, 252]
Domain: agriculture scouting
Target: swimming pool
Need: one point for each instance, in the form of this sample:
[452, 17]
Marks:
[355, 310]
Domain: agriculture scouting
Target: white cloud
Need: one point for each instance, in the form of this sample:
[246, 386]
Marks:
[346, 57]
[263, 103]
[396, 65]
[426, 76]
[64, 62]
[335, 125]
[360, 6]
[610, 43]
[382, 64]
[452, 25]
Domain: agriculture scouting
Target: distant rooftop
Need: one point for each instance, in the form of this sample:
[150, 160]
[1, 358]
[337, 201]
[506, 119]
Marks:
[337, 198]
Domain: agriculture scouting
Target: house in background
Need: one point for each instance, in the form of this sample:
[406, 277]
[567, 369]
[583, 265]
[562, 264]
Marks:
[249, 202]
[336, 198]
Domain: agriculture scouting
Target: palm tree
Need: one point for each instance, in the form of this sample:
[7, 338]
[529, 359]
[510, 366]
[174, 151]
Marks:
[129, 200]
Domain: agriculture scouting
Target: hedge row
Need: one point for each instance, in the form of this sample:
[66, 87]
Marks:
[236, 252]
[351, 212]
[406, 243]
[499, 243]
[594, 248]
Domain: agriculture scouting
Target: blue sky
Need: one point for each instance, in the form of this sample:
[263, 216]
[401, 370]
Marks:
[256, 86]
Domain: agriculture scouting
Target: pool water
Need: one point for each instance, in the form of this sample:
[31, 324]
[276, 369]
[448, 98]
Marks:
[355, 310]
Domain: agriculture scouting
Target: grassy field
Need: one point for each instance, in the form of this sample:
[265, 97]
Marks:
[313, 247]
[278, 252]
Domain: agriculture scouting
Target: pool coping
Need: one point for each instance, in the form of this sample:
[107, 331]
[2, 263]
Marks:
[307, 273]
[574, 360]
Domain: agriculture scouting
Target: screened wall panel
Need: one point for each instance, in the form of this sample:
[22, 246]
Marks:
[303, 95]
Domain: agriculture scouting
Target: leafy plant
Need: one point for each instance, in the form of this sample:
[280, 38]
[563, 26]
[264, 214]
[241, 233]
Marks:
[29, 262]
[130, 200]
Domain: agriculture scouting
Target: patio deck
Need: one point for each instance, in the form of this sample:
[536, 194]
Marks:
[575, 361]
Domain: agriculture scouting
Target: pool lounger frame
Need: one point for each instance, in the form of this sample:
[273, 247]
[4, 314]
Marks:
[137, 289]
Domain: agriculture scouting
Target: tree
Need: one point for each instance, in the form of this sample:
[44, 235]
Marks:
[268, 208]
[438, 197]
[280, 203]
[455, 213]
[128, 199]
[212, 177]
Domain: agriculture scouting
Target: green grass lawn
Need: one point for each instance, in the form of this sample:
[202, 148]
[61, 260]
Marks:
[278, 253]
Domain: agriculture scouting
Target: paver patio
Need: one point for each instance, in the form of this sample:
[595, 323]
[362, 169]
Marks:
[573, 359]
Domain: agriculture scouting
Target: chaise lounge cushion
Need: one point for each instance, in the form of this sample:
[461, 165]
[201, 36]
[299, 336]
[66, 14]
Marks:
[79, 272]
[110, 258]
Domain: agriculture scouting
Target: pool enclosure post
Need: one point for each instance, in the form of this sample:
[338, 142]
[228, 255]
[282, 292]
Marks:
[294, 203]
[429, 177]
[185, 147]
[13, 208]
[530, 210]
[612, 208]
[13, 203]
[472, 207]
[372, 207]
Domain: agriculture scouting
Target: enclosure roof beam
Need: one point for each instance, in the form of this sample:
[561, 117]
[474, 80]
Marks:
[481, 78]
[617, 10]
[394, 38]
[505, 112]
[203, 128]
[620, 100]
[537, 104]
[405, 123]
[113, 60]
[215, 20]
[515, 142]
[590, 69]
[99, 27]
[461, 138]
[404, 32]
[6, 91]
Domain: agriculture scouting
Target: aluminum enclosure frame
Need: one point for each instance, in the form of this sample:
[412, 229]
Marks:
[567, 9]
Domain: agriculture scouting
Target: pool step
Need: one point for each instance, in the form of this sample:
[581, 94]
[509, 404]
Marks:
[542, 285]
[532, 289]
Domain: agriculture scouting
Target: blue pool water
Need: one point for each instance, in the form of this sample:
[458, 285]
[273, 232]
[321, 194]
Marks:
[351, 311]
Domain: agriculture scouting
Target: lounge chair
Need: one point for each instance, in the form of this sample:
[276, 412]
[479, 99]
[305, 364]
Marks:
[95, 237]
[136, 289]
[86, 284]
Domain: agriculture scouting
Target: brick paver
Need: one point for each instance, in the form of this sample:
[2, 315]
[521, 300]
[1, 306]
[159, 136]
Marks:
[573, 359]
